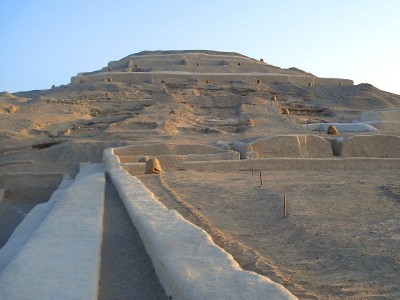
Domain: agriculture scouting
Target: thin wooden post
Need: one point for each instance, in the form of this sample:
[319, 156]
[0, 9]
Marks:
[261, 181]
[252, 170]
[284, 207]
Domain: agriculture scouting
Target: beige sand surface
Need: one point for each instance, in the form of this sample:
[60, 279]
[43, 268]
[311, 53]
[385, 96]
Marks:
[340, 239]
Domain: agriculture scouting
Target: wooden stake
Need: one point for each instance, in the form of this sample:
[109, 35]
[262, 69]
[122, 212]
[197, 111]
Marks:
[261, 179]
[284, 206]
[252, 170]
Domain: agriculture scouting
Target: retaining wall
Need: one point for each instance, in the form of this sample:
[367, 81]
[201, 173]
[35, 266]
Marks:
[172, 161]
[291, 146]
[317, 164]
[190, 64]
[177, 77]
[381, 115]
[388, 126]
[165, 149]
[383, 146]
[132, 165]
[188, 263]
[186, 55]
[341, 127]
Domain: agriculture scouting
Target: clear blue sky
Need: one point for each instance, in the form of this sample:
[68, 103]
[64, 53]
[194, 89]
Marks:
[45, 42]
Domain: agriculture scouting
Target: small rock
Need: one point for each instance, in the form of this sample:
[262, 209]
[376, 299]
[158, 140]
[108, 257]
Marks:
[250, 122]
[174, 111]
[11, 109]
[67, 132]
[332, 130]
[153, 166]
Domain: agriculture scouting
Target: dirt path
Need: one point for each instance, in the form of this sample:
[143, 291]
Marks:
[340, 240]
[126, 269]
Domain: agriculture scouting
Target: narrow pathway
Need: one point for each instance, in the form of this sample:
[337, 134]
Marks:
[126, 269]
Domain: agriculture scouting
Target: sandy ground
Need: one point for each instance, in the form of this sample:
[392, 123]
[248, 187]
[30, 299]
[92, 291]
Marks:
[340, 239]
[126, 268]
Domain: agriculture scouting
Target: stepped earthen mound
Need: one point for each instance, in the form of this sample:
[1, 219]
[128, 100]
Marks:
[162, 97]
[212, 66]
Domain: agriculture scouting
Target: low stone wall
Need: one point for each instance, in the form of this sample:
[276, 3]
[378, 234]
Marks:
[385, 126]
[313, 164]
[291, 146]
[110, 159]
[165, 149]
[383, 146]
[341, 127]
[132, 165]
[172, 161]
[381, 115]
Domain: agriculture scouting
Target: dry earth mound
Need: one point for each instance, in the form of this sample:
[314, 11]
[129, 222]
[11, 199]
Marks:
[47, 133]
[208, 66]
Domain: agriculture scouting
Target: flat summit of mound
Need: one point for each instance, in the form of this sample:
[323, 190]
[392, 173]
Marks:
[198, 61]
[167, 52]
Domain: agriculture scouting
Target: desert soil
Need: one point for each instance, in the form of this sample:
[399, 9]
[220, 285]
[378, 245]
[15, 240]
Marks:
[340, 239]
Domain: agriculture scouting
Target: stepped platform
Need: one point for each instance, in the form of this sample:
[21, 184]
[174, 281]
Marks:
[181, 76]
[199, 66]
[306, 164]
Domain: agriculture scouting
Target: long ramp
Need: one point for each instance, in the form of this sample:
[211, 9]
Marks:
[55, 252]
[188, 263]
